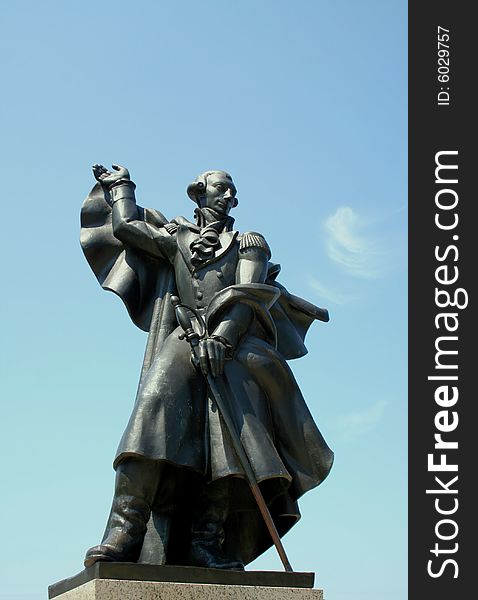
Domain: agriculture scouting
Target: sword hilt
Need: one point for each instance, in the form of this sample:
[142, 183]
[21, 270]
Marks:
[182, 316]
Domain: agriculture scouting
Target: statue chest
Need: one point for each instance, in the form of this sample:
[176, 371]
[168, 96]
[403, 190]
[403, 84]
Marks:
[197, 284]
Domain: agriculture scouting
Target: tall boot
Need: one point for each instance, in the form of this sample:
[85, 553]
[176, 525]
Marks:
[207, 528]
[135, 488]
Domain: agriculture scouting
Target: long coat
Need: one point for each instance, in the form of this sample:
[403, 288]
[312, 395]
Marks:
[173, 419]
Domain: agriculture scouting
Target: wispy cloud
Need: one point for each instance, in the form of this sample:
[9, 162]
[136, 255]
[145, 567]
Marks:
[328, 293]
[350, 243]
[355, 424]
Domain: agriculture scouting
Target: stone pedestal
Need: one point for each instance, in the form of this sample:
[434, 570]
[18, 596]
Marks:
[111, 589]
[123, 581]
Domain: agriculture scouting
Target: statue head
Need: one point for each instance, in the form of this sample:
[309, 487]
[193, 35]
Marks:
[214, 190]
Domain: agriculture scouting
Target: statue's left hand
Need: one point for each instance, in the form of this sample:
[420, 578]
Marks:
[212, 354]
[109, 178]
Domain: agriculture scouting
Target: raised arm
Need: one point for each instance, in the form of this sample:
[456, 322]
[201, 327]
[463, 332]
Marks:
[128, 226]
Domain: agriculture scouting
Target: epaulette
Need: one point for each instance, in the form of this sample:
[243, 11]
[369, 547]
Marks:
[251, 239]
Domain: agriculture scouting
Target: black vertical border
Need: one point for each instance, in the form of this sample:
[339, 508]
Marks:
[434, 128]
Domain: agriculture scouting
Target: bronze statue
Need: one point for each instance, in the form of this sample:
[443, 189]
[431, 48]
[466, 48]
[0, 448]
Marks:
[217, 403]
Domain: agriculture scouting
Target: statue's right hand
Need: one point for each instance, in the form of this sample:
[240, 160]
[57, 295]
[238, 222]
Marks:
[109, 178]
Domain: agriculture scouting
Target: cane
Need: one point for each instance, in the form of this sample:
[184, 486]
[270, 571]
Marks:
[184, 320]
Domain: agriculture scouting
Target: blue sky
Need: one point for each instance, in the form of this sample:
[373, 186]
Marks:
[305, 104]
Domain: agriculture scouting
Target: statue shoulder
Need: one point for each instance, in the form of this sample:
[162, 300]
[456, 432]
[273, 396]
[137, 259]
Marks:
[253, 239]
[177, 223]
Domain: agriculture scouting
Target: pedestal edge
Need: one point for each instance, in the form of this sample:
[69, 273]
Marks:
[182, 574]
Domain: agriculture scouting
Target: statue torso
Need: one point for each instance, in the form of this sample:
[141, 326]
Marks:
[197, 284]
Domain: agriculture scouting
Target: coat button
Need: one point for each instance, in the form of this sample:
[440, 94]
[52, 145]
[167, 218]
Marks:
[219, 274]
[196, 275]
[199, 295]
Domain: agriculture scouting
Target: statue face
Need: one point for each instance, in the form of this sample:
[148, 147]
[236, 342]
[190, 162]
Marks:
[220, 194]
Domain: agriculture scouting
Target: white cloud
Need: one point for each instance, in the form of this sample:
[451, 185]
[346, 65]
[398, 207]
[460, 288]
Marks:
[354, 424]
[349, 244]
[329, 294]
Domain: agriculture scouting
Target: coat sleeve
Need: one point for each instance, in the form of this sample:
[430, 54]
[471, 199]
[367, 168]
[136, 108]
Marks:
[251, 268]
[131, 227]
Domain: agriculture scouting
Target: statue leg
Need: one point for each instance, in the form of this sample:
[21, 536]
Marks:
[155, 545]
[207, 529]
[135, 489]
